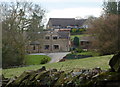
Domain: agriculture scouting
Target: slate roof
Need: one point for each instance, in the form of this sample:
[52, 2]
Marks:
[63, 34]
[86, 38]
[63, 22]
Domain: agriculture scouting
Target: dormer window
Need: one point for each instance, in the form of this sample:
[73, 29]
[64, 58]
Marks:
[76, 26]
[68, 26]
[56, 26]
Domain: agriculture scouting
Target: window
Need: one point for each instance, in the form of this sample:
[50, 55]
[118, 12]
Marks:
[56, 26]
[87, 42]
[46, 47]
[69, 26]
[47, 37]
[56, 46]
[55, 38]
[34, 47]
[82, 43]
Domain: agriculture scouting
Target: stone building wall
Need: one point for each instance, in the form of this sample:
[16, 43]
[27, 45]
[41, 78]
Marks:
[52, 41]
[55, 42]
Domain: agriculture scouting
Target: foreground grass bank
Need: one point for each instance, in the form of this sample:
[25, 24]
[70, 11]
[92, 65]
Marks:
[86, 63]
[0, 71]
[93, 53]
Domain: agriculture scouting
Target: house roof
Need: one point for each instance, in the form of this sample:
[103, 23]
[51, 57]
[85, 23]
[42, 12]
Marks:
[63, 22]
[63, 34]
[86, 38]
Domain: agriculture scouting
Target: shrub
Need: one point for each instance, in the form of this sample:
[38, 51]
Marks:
[12, 56]
[72, 48]
[73, 30]
[44, 60]
[79, 50]
[81, 30]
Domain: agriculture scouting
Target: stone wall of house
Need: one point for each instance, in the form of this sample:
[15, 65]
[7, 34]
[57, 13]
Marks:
[48, 42]
[62, 43]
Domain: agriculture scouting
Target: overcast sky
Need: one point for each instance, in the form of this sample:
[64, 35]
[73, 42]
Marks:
[72, 8]
[69, 8]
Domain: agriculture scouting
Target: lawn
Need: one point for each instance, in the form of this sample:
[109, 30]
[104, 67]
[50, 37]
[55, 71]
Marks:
[81, 35]
[0, 71]
[86, 63]
[36, 59]
[93, 53]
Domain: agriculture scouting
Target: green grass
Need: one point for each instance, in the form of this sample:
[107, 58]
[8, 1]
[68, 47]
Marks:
[88, 53]
[0, 71]
[35, 59]
[86, 63]
[81, 35]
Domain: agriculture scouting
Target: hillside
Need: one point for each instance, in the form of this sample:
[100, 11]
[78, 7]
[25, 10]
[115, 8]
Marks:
[86, 63]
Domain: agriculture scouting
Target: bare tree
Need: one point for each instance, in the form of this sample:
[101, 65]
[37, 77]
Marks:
[104, 30]
[17, 22]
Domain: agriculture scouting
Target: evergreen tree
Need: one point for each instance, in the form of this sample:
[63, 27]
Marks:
[76, 41]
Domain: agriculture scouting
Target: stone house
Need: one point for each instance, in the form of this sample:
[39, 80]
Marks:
[51, 41]
[85, 42]
[57, 36]
[66, 23]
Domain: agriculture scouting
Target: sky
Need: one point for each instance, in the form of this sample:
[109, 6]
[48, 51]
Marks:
[69, 8]
[72, 8]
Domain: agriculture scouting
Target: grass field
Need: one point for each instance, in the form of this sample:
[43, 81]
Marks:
[35, 59]
[0, 71]
[93, 53]
[72, 36]
[86, 63]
